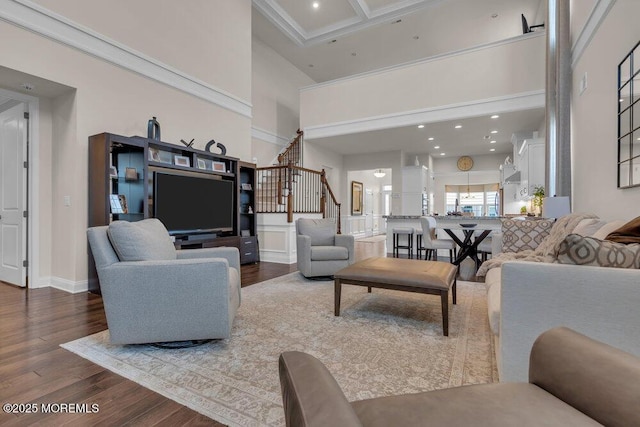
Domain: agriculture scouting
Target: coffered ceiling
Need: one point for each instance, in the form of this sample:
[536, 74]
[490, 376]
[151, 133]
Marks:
[341, 38]
[345, 37]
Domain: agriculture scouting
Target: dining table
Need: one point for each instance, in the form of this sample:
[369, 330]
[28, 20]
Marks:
[473, 234]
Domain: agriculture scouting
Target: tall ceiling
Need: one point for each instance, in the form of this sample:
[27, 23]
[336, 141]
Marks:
[341, 38]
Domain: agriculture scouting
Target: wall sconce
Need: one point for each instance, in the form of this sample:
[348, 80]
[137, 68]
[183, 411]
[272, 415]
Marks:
[379, 173]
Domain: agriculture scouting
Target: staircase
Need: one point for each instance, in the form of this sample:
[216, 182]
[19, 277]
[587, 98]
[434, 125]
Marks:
[289, 188]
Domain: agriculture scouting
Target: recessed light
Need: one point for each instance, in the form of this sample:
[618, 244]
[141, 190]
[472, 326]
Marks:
[494, 131]
[420, 126]
[310, 65]
[458, 126]
[442, 154]
[315, 4]
[431, 138]
[495, 116]
[437, 147]
[493, 149]
[492, 141]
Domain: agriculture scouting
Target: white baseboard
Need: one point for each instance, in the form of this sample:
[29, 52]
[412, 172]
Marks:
[62, 284]
[277, 257]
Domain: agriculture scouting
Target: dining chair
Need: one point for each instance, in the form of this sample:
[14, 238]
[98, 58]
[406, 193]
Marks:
[431, 244]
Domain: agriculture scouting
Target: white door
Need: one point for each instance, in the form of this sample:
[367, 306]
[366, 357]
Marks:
[13, 148]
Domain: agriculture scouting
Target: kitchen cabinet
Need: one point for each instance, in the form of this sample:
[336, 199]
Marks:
[415, 190]
[532, 166]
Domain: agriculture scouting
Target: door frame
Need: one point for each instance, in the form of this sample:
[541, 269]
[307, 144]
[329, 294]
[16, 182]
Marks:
[33, 187]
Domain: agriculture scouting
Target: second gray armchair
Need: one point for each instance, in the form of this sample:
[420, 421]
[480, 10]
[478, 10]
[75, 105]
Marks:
[320, 251]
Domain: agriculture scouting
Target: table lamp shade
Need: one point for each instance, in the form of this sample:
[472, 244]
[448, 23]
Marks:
[555, 207]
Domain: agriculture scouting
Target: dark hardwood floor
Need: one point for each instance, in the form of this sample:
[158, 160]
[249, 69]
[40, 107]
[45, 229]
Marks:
[35, 369]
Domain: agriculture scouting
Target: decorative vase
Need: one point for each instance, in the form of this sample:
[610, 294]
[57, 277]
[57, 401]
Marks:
[153, 129]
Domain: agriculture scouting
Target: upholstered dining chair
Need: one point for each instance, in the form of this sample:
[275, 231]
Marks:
[431, 244]
[155, 294]
[320, 251]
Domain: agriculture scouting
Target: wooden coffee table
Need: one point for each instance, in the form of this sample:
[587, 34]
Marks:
[411, 275]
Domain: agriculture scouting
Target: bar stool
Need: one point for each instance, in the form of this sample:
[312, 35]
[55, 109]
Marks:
[397, 234]
[419, 246]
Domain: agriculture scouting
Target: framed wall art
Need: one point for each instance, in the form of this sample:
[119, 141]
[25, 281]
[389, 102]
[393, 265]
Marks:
[356, 198]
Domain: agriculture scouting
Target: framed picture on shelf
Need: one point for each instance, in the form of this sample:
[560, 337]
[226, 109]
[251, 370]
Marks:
[113, 172]
[154, 155]
[123, 203]
[130, 174]
[202, 164]
[245, 233]
[246, 186]
[114, 202]
[181, 161]
[219, 166]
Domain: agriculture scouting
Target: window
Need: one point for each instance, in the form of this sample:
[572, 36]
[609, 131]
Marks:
[386, 199]
[629, 120]
[478, 200]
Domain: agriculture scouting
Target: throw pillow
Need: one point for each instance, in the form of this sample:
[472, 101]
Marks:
[519, 235]
[606, 229]
[580, 250]
[628, 233]
[589, 226]
[145, 240]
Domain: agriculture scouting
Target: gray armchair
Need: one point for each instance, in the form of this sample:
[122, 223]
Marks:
[320, 251]
[153, 293]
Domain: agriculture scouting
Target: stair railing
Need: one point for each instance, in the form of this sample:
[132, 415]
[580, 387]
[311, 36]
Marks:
[293, 189]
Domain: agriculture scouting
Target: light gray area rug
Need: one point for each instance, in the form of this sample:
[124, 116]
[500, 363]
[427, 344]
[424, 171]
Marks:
[384, 343]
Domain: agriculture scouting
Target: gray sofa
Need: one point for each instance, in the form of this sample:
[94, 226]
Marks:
[153, 293]
[526, 298]
[573, 381]
[319, 250]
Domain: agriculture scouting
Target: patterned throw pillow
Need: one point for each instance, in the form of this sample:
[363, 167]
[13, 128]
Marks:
[580, 250]
[518, 235]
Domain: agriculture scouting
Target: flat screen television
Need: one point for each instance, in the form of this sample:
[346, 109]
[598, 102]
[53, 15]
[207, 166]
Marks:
[188, 204]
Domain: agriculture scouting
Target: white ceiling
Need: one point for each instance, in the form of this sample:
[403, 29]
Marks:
[345, 37]
[471, 139]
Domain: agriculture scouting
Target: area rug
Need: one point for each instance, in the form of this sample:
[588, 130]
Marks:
[383, 343]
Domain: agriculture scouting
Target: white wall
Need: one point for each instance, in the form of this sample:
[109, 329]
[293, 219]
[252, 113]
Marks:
[110, 98]
[210, 41]
[594, 117]
[276, 101]
[485, 171]
[500, 70]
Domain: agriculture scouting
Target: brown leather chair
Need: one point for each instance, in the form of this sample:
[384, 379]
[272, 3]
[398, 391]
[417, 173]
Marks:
[573, 381]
